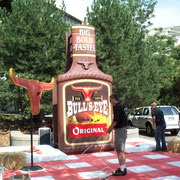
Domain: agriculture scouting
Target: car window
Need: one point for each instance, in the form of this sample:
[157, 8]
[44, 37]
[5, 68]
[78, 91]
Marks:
[139, 111]
[175, 110]
[146, 111]
[169, 110]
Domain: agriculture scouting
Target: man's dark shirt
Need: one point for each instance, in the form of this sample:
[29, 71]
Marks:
[119, 116]
[158, 113]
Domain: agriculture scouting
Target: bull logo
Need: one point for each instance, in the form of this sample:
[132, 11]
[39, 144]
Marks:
[34, 89]
[87, 91]
[85, 65]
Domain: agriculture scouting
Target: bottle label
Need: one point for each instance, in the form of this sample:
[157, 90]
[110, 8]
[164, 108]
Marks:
[83, 41]
[87, 112]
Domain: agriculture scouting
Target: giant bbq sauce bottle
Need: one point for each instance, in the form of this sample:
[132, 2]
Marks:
[83, 108]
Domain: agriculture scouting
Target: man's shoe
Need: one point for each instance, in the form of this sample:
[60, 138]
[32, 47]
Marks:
[118, 172]
[164, 149]
[157, 150]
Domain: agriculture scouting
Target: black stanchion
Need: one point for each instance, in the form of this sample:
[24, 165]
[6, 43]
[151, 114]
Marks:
[32, 167]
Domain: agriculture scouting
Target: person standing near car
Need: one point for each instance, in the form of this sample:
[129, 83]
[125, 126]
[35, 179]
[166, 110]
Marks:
[159, 125]
[119, 124]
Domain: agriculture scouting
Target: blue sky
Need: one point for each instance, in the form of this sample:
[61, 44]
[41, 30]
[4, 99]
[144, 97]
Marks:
[167, 12]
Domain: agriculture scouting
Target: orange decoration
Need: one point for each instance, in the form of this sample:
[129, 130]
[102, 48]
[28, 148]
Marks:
[34, 90]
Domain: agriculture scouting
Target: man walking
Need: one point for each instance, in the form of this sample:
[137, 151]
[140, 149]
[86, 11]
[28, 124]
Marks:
[158, 120]
[119, 124]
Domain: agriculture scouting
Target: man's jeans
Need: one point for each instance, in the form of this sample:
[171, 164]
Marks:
[160, 136]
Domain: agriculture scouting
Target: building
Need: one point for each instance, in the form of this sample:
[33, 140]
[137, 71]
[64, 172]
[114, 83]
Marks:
[72, 20]
[170, 31]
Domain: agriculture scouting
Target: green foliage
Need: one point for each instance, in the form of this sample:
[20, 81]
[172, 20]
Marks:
[32, 42]
[139, 63]
[162, 46]
[170, 93]
[122, 50]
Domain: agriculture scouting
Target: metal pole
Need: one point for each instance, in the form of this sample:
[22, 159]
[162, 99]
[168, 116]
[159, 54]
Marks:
[31, 119]
[32, 167]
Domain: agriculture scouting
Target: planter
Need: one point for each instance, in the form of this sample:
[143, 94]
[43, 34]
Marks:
[20, 139]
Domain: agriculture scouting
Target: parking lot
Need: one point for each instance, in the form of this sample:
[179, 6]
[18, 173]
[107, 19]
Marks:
[142, 134]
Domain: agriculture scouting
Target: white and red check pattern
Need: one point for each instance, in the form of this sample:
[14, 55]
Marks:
[140, 166]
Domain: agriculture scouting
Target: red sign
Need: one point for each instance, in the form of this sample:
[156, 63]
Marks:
[76, 131]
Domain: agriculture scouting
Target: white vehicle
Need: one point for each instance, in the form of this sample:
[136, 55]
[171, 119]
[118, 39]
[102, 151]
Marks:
[142, 119]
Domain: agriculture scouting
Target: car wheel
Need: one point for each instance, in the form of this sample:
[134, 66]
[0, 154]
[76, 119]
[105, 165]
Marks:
[130, 123]
[149, 130]
[174, 132]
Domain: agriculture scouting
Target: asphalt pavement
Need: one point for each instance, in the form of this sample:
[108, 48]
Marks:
[142, 134]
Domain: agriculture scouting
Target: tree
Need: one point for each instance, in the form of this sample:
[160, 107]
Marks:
[170, 93]
[122, 49]
[6, 4]
[32, 41]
